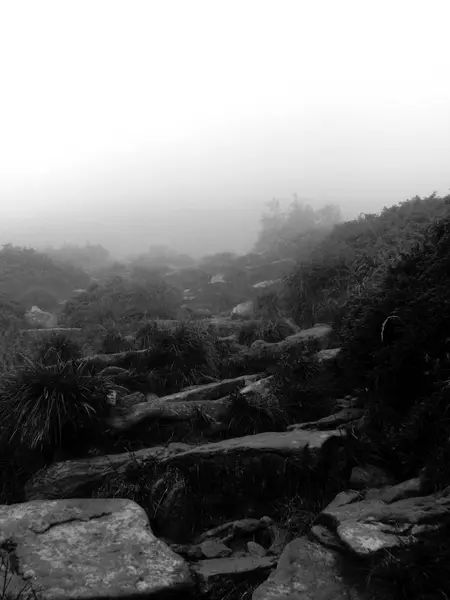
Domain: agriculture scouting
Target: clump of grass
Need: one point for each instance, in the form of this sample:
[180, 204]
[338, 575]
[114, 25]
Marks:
[113, 341]
[255, 415]
[59, 348]
[52, 406]
[146, 334]
[305, 387]
[176, 359]
[12, 586]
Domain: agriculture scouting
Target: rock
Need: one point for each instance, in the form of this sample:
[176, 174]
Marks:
[367, 526]
[229, 531]
[343, 417]
[318, 335]
[369, 476]
[245, 310]
[37, 317]
[308, 571]
[224, 573]
[328, 354]
[296, 444]
[214, 549]
[407, 489]
[74, 478]
[211, 400]
[95, 548]
[256, 550]
[265, 284]
[262, 388]
[326, 537]
[218, 278]
[162, 411]
[132, 399]
[212, 391]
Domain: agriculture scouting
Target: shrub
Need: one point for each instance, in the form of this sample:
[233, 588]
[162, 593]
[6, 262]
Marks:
[52, 407]
[59, 348]
[248, 417]
[396, 345]
[176, 359]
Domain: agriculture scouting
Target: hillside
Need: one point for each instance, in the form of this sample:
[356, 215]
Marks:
[31, 278]
[270, 459]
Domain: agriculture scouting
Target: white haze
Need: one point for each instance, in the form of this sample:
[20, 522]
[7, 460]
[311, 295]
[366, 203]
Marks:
[133, 123]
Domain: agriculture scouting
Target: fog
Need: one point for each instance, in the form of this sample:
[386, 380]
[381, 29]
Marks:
[132, 123]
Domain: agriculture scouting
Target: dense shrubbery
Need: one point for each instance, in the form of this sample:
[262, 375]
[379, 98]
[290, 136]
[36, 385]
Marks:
[397, 345]
[168, 360]
[51, 406]
[352, 261]
[122, 302]
[28, 277]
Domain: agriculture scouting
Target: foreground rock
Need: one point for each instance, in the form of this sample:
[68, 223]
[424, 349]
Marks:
[308, 571]
[90, 549]
[389, 518]
[76, 478]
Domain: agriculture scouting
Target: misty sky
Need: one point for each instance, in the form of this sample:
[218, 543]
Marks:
[132, 123]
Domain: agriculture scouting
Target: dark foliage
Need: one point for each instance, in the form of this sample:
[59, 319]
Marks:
[397, 346]
[52, 406]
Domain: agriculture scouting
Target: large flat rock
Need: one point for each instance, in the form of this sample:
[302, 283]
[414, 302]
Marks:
[70, 478]
[298, 443]
[90, 549]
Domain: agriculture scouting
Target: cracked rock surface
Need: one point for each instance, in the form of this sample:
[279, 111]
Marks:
[92, 548]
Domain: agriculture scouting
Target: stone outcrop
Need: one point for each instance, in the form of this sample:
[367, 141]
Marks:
[308, 571]
[91, 549]
[387, 518]
[72, 478]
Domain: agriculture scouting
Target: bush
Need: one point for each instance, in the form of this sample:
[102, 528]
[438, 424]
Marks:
[52, 407]
[397, 346]
[176, 359]
[352, 261]
[59, 348]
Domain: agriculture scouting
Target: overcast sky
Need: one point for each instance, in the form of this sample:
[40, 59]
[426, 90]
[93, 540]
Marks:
[131, 123]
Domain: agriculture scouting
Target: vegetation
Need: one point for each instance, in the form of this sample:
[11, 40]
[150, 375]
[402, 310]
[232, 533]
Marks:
[382, 280]
[28, 276]
[122, 302]
[352, 261]
[52, 406]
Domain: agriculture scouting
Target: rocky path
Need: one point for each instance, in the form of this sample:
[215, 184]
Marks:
[214, 519]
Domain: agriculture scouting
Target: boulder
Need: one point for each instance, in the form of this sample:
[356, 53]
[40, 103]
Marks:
[159, 409]
[309, 445]
[318, 335]
[74, 478]
[370, 525]
[308, 571]
[39, 318]
[245, 310]
[90, 549]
